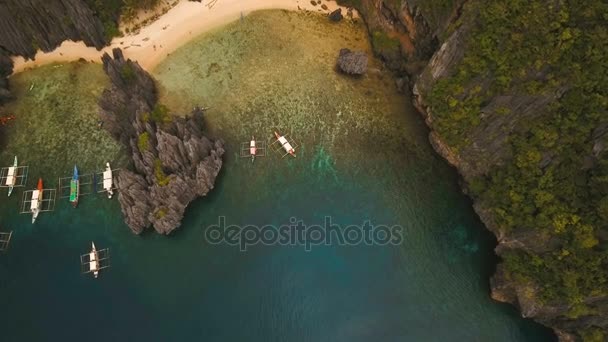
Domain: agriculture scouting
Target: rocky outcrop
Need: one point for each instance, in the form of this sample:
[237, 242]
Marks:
[352, 62]
[174, 163]
[29, 25]
[336, 15]
[406, 33]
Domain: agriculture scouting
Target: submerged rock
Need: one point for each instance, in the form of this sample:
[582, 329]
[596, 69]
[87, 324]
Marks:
[336, 15]
[353, 63]
[174, 162]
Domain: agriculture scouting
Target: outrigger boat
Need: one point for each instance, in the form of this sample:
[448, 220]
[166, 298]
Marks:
[74, 188]
[286, 145]
[11, 177]
[108, 182]
[36, 202]
[94, 260]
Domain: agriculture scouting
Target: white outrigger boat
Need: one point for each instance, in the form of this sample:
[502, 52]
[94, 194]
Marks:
[285, 144]
[95, 260]
[11, 177]
[38, 201]
[108, 182]
[253, 148]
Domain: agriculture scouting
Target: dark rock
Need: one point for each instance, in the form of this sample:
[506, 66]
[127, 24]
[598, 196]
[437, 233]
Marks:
[28, 25]
[336, 15]
[178, 164]
[353, 63]
[6, 68]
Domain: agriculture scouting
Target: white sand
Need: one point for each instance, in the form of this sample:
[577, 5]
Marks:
[175, 28]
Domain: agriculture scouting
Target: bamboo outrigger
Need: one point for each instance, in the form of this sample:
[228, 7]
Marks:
[12, 177]
[5, 239]
[38, 201]
[95, 261]
[253, 149]
[75, 186]
[284, 144]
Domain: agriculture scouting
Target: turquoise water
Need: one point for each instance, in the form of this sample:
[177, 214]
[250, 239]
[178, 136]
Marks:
[364, 156]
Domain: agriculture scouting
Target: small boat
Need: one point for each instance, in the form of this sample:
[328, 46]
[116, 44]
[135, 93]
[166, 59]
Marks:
[94, 260]
[36, 203]
[108, 182]
[252, 149]
[74, 188]
[11, 177]
[286, 145]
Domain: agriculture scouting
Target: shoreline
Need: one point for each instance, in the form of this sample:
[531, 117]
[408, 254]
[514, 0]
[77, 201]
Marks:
[169, 32]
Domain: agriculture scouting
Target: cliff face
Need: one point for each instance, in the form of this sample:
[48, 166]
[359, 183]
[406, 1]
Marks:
[174, 162]
[29, 25]
[505, 118]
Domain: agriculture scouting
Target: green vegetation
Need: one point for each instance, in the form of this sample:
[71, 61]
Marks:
[109, 11]
[160, 114]
[383, 44]
[435, 11]
[160, 213]
[161, 178]
[593, 335]
[143, 141]
[127, 73]
[536, 47]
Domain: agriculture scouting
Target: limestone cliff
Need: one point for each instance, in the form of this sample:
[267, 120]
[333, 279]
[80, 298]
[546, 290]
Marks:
[174, 163]
[433, 41]
[29, 25]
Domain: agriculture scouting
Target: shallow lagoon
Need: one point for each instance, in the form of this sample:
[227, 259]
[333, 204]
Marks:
[364, 156]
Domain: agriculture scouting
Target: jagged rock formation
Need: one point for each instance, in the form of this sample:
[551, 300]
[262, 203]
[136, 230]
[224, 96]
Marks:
[353, 63]
[174, 162]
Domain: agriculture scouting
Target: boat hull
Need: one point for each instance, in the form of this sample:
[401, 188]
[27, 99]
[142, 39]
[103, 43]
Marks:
[74, 188]
[13, 179]
[108, 182]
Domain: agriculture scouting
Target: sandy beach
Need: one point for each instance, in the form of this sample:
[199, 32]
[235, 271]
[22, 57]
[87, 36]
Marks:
[173, 29]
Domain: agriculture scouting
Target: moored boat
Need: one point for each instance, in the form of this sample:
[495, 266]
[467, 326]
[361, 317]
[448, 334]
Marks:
[74, 188]
[108, 182]
[36, 202]
[11, 177]
[94, 260]
[286, 145]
